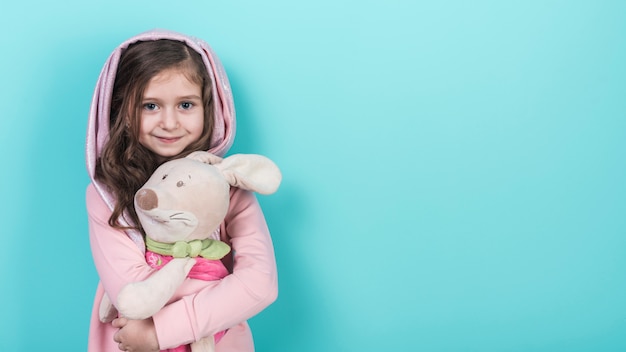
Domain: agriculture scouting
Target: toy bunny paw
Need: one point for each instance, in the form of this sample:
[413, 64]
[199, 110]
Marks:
[107, 311]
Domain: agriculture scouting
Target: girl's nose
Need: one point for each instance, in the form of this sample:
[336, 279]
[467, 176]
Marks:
[169, 120]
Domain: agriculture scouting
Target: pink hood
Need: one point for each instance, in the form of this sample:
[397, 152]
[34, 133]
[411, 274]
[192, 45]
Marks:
[98, 125]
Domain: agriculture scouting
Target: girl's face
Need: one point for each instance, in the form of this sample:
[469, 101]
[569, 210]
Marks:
[172, 115]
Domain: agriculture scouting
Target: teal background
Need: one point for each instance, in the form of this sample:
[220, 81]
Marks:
[453, 170]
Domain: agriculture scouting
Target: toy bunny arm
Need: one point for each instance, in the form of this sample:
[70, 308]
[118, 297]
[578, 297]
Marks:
[251, 287]
[142, 299]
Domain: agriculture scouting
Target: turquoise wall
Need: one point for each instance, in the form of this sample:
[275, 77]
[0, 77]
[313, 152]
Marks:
[453, 170]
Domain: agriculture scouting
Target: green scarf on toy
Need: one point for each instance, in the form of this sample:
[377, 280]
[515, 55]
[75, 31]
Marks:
[206, 248]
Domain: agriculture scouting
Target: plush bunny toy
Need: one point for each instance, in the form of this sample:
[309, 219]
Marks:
[181, 208]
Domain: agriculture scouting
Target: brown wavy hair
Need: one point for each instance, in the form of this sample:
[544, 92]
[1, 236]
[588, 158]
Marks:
[125, 165]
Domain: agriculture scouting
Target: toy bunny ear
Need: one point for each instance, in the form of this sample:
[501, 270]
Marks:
[205, 157]
[251, 172]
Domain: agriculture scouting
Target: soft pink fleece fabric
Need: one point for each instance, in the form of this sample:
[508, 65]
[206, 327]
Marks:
[203, 269]
[199, 308]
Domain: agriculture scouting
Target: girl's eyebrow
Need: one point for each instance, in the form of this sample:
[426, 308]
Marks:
[184, 97]
[190, 97]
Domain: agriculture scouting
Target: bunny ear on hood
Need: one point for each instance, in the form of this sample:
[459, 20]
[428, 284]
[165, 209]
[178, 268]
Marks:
[98, 124]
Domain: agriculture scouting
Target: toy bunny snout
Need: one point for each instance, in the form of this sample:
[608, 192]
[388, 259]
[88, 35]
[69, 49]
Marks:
[147, 199]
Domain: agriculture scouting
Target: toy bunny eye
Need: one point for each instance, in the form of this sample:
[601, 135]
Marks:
[180, 184]
[164, 177]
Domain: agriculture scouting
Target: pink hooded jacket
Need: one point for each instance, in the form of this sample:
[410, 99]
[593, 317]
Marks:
[199, 308]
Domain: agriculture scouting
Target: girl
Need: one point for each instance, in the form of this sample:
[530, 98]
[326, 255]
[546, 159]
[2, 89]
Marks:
[162, 95]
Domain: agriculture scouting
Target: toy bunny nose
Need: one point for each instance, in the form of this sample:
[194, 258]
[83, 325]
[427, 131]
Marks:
[147, 199]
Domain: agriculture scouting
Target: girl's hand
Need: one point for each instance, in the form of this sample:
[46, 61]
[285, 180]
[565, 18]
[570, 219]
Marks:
[135, 335]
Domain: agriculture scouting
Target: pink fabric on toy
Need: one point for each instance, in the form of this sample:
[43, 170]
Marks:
[204, 269]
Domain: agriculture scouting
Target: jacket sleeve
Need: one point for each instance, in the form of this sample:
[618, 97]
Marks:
[118, 260]
[252, 286]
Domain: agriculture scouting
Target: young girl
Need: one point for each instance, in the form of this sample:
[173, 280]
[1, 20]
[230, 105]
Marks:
[162, 95]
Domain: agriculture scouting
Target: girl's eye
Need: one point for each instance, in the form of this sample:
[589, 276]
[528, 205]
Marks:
[150, 106]
[180, 184]
[186, 105]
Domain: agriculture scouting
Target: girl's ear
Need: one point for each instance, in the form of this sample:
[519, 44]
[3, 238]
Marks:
[251, 172]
